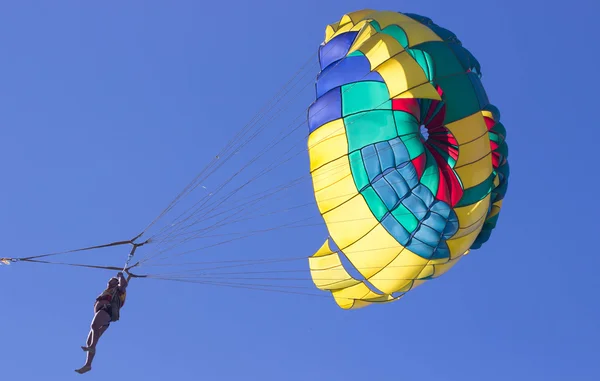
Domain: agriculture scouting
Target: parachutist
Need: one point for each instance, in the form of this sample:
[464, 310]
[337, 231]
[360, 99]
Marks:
[106, 310]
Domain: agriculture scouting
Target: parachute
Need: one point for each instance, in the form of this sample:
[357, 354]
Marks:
[407, 156]
[407, 173]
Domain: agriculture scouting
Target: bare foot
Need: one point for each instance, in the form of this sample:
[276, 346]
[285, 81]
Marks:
[84, 369]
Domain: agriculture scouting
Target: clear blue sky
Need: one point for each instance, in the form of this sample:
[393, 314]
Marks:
[108, 109]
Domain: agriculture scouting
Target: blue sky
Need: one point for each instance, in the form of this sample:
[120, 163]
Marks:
[107, 111]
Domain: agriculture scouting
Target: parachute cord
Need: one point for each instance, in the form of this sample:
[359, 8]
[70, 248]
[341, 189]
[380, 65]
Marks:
[117, 243]
[132, 253]
[125, 269]
[77, 265]
[236, 140]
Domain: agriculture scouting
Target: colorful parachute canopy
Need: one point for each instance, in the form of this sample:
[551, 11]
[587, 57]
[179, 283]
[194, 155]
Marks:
[407, 156]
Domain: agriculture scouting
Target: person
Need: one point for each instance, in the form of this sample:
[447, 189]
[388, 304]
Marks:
[106, 310]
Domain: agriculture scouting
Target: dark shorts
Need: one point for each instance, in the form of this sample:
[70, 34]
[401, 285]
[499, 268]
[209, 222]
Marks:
[108, 309]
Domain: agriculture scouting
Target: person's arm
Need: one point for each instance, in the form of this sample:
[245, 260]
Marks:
[122, 281]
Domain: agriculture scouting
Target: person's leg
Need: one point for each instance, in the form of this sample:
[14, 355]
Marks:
[98, 327]
[92, 335]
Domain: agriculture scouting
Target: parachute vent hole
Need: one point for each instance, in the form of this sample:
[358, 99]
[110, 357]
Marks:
[424, 132]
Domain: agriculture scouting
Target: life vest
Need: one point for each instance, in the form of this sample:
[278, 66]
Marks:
[116, 300]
